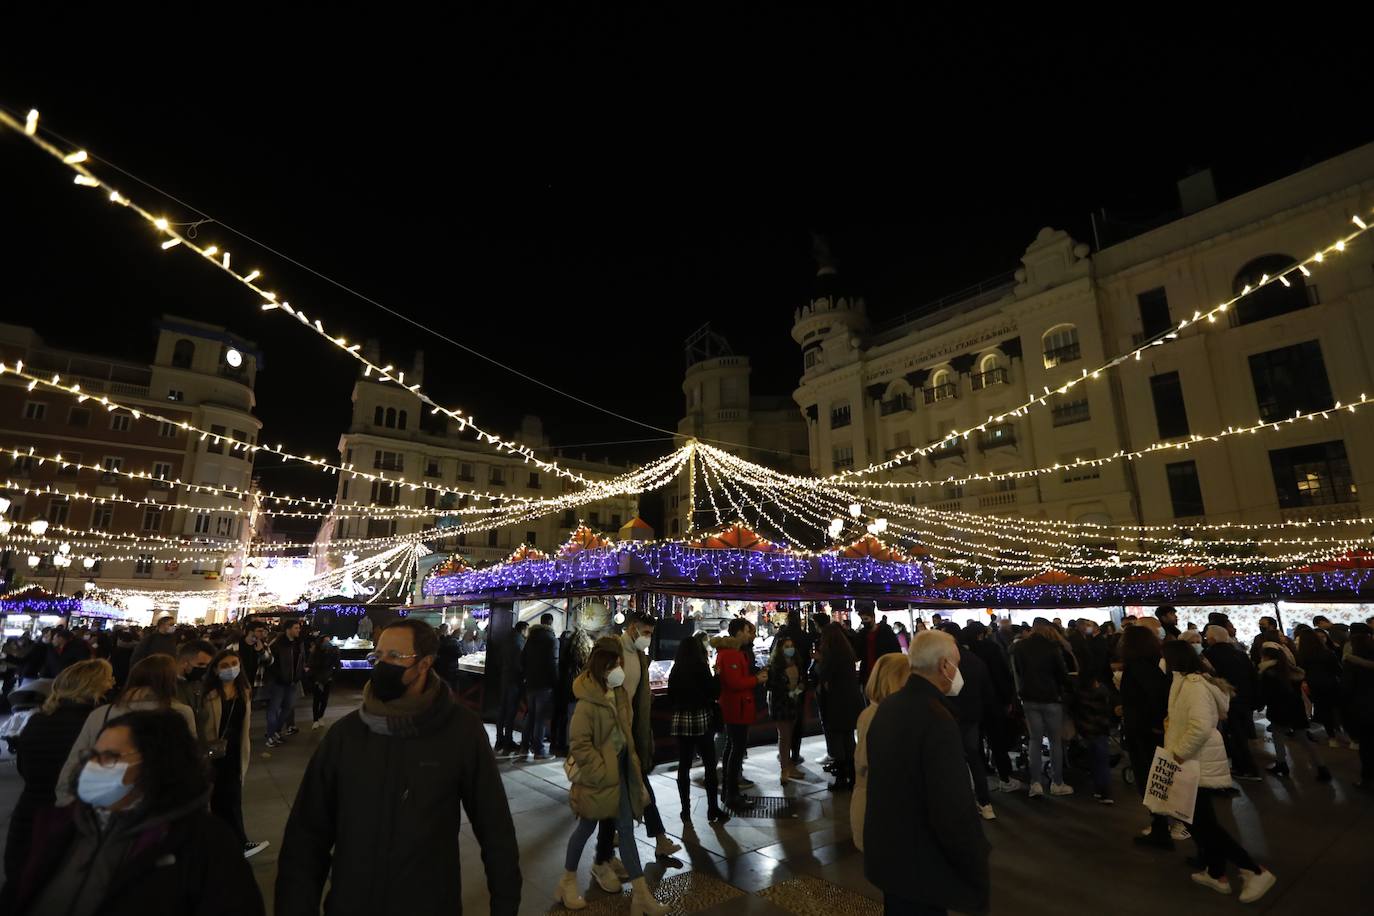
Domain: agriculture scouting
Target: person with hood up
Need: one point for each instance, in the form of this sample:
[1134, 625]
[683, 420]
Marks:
[603, 767]
[1197, 705]
[139, 839]
[1280, 689]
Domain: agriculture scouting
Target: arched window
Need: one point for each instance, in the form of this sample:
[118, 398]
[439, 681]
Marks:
[183, 353]
[1274, 298]
[991, 371]
[1061, 345]
[377, 416]
[391, 418]
[942, 386]
[401, 421]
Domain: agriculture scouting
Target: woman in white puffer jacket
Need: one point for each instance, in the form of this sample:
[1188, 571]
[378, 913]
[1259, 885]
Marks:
[1197, 703]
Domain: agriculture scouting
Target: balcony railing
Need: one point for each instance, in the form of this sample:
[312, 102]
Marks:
[996, 437]
[1072, 412]
[844, 464]
[989, 378]
[1057, 356]
[838, 420]
[945, 449]
[943, 392]
[994, 500]
[895, 405]
[729, 414]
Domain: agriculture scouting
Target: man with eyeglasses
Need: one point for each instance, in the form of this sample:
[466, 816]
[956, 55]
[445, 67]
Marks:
[379, 808]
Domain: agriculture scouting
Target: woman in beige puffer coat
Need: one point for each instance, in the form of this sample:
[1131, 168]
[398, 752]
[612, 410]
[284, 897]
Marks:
[604, 770]
[1197, 703]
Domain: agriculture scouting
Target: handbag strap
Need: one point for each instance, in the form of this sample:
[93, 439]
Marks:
[225, 717]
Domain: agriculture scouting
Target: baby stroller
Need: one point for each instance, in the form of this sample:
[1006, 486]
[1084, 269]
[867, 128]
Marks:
[24, 702]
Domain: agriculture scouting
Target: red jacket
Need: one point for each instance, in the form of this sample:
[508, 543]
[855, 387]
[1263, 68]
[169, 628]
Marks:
[737, 685]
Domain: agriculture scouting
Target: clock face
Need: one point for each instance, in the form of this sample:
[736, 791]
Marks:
[233, 357]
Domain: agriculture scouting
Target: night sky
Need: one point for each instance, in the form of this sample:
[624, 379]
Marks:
[545, 199]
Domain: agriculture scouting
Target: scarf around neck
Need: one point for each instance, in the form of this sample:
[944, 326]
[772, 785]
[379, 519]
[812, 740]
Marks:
[405, 716]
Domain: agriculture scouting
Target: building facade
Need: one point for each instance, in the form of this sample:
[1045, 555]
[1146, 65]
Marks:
[723, 411]
[393, 432]
[201, 374]
[869, 392]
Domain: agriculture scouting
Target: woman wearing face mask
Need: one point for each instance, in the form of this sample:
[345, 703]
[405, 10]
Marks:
[605, 774]
[1197, 704]
[786, 684]
[152, 685]
[224, 727]
[43, 745]
[138, 840]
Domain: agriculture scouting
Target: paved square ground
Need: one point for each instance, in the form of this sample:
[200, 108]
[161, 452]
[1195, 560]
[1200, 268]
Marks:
[1049, 855]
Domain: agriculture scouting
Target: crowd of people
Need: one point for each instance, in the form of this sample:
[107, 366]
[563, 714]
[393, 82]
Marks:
[138, 755]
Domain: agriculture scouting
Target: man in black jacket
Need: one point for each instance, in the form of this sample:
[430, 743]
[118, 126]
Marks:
[1043, 677]
[1232, 665]
[285, 664]
[973, 705]
[510, 660]
[1167, 615]
[997, 722]
[158, 641]
[924, 847]
[378, 811]
[872, 641]
[539, 660]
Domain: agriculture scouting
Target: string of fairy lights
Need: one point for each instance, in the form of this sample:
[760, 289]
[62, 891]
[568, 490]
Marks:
[732, 486]
[221, 260]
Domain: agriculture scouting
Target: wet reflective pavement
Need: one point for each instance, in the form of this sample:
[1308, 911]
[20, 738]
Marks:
[1050, 855]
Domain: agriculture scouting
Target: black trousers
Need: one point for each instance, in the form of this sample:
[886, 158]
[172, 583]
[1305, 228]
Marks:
[1240, 722]
[689, 746]
[797, 728]
[1142, 752]
[1215, 845]
[226, 794]
[736, 740]
[896, 906]
[320, 692]
[978, 768]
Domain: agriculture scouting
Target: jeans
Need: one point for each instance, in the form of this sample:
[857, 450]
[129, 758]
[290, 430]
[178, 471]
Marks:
[1309, 749]
[1215, 845]
[1102, 770]
[624, 823]
[281, 707]
[321, 695]
[1240, 723]
[736, 737]
[689, 746]
[1045, 720]
[538, 708]
[973, 753]
[505, 717]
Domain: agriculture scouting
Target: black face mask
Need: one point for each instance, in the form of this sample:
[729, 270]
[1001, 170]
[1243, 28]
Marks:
[197, 673]
[387, 681]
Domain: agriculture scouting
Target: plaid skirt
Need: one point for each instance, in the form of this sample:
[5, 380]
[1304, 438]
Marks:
[691, 723]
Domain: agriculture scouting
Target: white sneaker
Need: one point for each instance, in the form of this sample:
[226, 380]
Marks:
[318, 724]
[1179, 832]
[664, 845]
[1220, 885]
[826, 760]
[252, 848]
[1254, 886]
[1010, 785]
[987, 812]
[606, 878]
[1036, 790]
[1060, 789]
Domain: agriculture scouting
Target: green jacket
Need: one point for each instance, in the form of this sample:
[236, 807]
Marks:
[591, 746]
[642, 720]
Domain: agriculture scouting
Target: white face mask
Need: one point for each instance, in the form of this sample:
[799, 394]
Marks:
[615, 678]
[1197, 647]
[641, 643]
[958, 684]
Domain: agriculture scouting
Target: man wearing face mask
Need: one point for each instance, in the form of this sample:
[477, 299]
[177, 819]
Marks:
[923, 845]
[139, 839]
[193, 660]
[378, 812]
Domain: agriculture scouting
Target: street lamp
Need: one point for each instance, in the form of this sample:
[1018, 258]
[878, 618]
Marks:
[33, 560]
[38, 527]
[88, 562]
